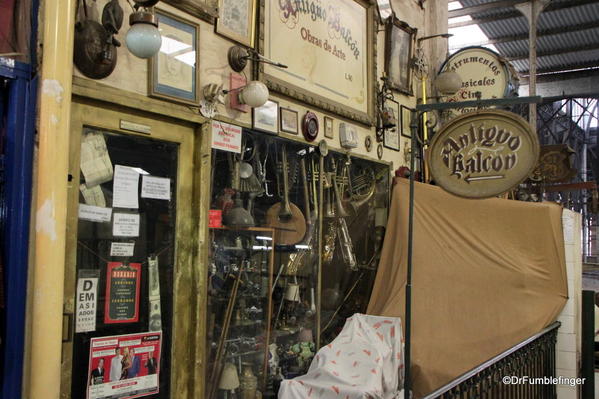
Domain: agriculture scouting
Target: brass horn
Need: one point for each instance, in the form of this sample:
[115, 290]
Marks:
[329, 208]
[362, 187]
[340, 211]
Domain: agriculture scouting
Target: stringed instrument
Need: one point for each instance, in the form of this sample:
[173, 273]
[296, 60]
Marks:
[285, 217]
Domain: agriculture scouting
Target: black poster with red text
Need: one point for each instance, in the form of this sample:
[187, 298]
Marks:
[122, 293]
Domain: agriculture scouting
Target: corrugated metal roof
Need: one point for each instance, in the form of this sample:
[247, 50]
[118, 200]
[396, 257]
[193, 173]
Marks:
[561, 51]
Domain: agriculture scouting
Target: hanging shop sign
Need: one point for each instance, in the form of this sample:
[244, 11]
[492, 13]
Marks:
[482, 70]
[555, 164]
[483, 154]
[122, 293]
[124, 366]
[328, 46]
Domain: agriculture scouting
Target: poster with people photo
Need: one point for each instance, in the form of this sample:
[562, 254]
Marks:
[124, 366]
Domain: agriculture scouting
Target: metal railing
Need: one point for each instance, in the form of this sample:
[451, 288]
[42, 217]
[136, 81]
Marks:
[532, 358]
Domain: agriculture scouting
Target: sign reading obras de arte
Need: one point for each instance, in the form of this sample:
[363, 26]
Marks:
[483, 154]
[328, 48]
[481, 70]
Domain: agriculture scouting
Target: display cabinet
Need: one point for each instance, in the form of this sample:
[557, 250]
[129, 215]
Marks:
[239, 310]
[326, 211]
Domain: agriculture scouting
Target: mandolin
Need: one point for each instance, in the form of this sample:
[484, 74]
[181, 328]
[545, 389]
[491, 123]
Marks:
[285, 217]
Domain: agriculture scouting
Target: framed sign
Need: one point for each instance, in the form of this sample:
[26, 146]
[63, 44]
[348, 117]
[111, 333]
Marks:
[236, 20]
[399, 49]
[174, 72]
[406, 120]
[265, 118]
[289, 123]
[122, 293]
[482, 70]
[483, 154]
[329, 48]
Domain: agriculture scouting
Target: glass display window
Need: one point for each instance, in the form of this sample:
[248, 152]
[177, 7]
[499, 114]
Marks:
[317, 279]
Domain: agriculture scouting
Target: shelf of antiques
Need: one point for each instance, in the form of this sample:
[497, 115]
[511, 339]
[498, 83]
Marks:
[276, 184]
[239, 310]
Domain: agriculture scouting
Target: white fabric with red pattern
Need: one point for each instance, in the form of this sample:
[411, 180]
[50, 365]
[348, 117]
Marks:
[364, 361]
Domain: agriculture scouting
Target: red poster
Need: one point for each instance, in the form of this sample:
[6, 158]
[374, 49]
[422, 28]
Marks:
[122, 293]
[124, 366]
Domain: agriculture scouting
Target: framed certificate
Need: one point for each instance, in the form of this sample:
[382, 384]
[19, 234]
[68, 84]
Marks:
[174, 72]
[236, 20]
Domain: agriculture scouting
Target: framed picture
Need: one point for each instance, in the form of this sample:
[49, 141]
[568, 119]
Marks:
[385, 9]
[236, 20]
[289, 122]
[328, 127]
[329, 55]
[174, 72]
[399, 49]
[204, 9]
[265, 118]
[391, 136]
[406, 119]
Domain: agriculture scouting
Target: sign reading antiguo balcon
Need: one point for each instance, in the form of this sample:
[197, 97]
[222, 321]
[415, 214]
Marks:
[483, 154]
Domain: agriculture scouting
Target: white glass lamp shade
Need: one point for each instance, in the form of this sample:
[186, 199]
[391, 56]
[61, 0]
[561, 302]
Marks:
[229, 379]
[448, 82]
[254, 94]
[143, 38]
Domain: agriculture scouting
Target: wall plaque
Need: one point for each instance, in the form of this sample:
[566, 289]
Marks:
[328, 46]
[482, 70]
[483, 154]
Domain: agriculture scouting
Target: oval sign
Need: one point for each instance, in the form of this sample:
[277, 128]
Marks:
[483, 154]
[481, 70]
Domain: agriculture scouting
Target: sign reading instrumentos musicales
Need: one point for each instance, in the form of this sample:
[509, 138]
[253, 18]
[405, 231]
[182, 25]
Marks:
[483, 154]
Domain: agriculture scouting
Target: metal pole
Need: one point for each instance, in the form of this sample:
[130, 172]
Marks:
[47, 287]
[408, 311]
[531, 11]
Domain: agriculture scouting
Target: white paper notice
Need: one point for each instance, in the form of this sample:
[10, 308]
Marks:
[93, 196]
[125, 225]
[87, 293]
[122, 248]
[155, 187]
[226, 137]
[94, 213]
[95, 161]
[124, 187]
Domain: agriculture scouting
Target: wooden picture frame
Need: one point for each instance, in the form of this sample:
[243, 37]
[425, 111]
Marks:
[203, 9]
[406, 120]
[324, 71]
[174, 72]
[266, 117]
[384, 9]
[236, 20]
[328, 127]
[391, 136]
[289, 120]
[400, 40]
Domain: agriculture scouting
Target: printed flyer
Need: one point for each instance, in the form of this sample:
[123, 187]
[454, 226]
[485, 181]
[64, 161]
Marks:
[124, 366]
[122, 293]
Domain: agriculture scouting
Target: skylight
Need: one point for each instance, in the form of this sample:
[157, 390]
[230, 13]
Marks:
[464, 36]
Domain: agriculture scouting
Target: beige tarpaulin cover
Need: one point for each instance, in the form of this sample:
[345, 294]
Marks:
[487, 274]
